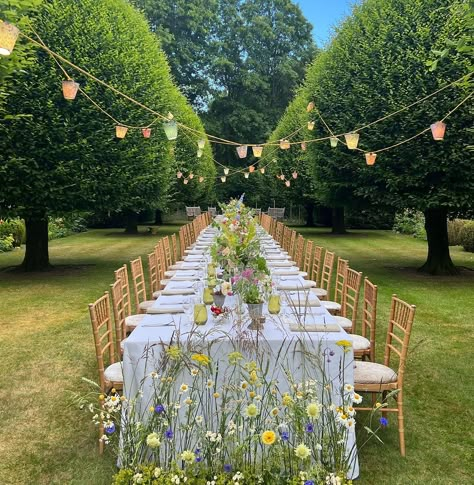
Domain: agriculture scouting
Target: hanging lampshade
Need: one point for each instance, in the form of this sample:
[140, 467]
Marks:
[179, 174]
[120, 131]
[370, 158]
[437, 130]
[226, 171]
[146, 132]
[282, 177]
[191, 176]
[295, 174]
[334, 140]
[352, 140]
[185, 181]
[252, 168]
[8, 36]
[199, 153]
[284, 144]
[310, 106]
[310, 125]
[262, 170]
[70, 89]
[287, 183]
[171, 129]
[242, 151]
[201, 143]
[223, 179]
[246, 174]
[257, 150]
[201, 179]
[303, 146]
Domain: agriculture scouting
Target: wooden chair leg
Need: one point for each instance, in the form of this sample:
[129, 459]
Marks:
[384, 401]
[401, 424]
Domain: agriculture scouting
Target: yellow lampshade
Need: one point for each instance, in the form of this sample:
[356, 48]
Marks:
[70, 89]
[352, 140]
[303, 146]
[437, 130]
[262, 170]
[171, 129]
[226, 171]
[8, 36]
[370, 158]
[185, 181]
[284, 144]
[191, 175]
[257, 151]
[120, 131]
[201, 143]
[287, 183]
[242, 151]
[310, 125]
[223, 179]
[199, 153]
[295, 174]
[251, 169]
[179, 174]
[201, 179]
[334, 140]
[246, 175]
[310, 106]
[146, 132]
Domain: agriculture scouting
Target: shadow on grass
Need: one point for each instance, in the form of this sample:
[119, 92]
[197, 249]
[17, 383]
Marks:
[465, 274]
[54, 270]
[375, 234]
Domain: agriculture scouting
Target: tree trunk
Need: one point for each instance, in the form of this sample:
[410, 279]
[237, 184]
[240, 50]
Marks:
[309, 206]
[338, 226]
[37, 251]
[131, 222]
[438, 261]
[158, 217]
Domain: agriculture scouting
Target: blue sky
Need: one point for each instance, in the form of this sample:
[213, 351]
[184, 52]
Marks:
[324, 14]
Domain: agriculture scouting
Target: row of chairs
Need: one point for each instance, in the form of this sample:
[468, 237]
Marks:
[369, 376]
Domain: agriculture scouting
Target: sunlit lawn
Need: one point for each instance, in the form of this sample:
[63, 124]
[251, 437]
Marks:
[46, 348]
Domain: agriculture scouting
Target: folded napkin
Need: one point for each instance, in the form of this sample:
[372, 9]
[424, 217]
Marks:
[179, 285]
[171, 300]
[177, 291]
[160, 320]
[286, 272]
[194, 251]
[276, 257]
[297, 285]
[180, 277]
[190, 265]
[194, 258]
[165, 309]
[280, 264]
[315, 327]
[302, 299]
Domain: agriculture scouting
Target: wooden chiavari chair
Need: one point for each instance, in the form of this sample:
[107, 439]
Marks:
[167, 252]
[291, 249]
[131, 321]
[279, 233]
[326, 274]
[350, 303]
[139, 287]
[308, 258]
[119, 310]
[377, 378]
[174, 243]
[299, 251]
[334, 306]
[153, 279]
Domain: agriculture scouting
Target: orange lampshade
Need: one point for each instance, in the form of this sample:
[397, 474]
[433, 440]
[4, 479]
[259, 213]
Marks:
[223, 179]
[70, 89]
[120, 131]
[310, 106]
[257, 150]
[191, 175]
[251, 169]
[284, 144]
[295, 174]
[437, 130]
[303, 146]
[146, 132]
[179, 174]
[246, 175]
[8, 36]
[370, 158]
[334, 140]
[352, 140]
[282, 177]
[310, 125]
[185, 181]
[242, 151]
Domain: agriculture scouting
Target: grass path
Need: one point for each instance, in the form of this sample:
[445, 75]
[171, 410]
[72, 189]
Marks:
[46, 348]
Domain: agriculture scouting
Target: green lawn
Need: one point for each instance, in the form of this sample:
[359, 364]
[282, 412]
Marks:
[47, 347]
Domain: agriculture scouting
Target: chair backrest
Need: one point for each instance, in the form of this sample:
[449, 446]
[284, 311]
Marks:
[182, 240]
[307, 258]
[212, 211]
[121, 275]
[398, 336]
[197, 211]
[153, 273]
[189, 230]
[369, 315]
[138, 281]
[316, 266]
[350, 303]
[279, 233]
[167, 252]
[174, 243]
[103, 332]
[257, 212]
[159, 262]
[299, 251]
[291, 250]
[276, 212]
[339, 288]
[326, 275]
[118, 306]
[189, 211]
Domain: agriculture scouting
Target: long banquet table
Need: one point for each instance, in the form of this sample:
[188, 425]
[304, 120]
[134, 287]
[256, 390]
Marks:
[143, 347]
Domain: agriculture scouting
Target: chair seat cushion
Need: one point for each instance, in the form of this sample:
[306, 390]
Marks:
[164, 282]
[360, 343]
[132, 321]
[113, 373]
[344, 322]
[175, 266]
[304, 274]
[320, 293]
[169, 274]
[331, 306]
[122, 343]
[156, 294]
[144, 305]
[373, 373]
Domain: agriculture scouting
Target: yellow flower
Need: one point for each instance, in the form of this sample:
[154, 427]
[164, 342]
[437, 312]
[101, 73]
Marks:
[153, 440]
[210, 384]
[251, 411]
[243, 385]
[188, 401]
[286, 400]
[174, 352]
[253, 377]
[251, 366]
[101, 397]
[274, 411]
[216, 395]
[302, 452]
[169, 380]
[378, 405]
[345, 344]
[113, 390]
[252, 394]
[188, 456]
[194, 372]
[151, 409]
[234, 357]
[268, 437]
[313, 410]
[184, 387]
[201, 359]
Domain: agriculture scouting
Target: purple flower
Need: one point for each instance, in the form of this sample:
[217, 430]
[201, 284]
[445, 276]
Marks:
[331, 353]
[198, 459]
[159, 409]
[309, 428]
[110, 429]
[309, 482]
[285, 436]
[197, 451]
[227, 468]
[169, 433]
[383, 421]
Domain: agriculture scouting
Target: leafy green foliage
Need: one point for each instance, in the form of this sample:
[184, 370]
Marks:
[466, 237]
[14, 228]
